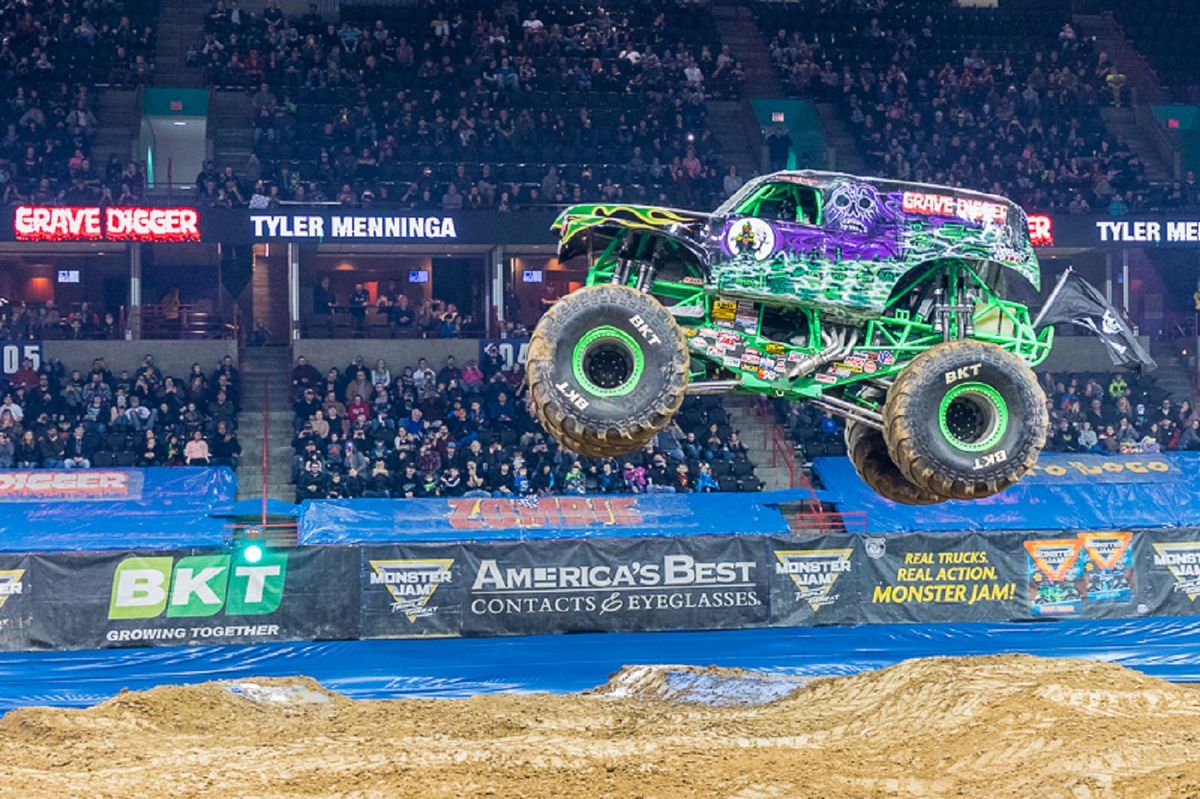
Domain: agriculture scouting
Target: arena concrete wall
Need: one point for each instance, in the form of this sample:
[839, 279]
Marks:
[172, 357]
[324, 353]
[1081, 354]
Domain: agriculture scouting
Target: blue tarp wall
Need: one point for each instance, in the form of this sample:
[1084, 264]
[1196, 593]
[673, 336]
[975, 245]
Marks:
[1064, 492]
[367, 521]
[103, 509]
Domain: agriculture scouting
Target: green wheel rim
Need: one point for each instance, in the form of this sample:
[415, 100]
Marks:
[607, 362]
[973, 417]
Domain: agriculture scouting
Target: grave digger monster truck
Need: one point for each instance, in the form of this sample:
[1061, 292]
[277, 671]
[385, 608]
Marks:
[877, 300]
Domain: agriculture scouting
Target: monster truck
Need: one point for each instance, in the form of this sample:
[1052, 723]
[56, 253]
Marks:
[879, 301]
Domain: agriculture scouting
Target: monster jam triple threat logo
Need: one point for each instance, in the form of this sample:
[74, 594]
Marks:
[412, 583]
[814, 572]
[1182, 559]
[10, 584]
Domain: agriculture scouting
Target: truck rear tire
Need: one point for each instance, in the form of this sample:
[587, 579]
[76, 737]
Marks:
[869, 453]
[965, 419]
[607, 369]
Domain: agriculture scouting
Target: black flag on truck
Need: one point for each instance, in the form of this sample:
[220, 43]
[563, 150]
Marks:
[1078, 302]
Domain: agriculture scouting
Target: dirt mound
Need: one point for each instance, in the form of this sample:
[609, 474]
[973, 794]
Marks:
[1009, 726]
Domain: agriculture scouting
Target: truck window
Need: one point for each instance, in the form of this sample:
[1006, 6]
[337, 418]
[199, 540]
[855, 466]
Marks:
[784, 202]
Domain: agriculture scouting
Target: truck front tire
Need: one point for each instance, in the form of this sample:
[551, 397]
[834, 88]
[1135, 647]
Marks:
[607, 369]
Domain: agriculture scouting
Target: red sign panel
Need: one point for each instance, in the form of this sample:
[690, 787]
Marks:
[66, 485]
[1041, 230]
[113, 223]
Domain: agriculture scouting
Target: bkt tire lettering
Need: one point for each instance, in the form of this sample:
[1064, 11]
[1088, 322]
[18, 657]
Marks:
[640, 325]
[573, 396]
[963, 373]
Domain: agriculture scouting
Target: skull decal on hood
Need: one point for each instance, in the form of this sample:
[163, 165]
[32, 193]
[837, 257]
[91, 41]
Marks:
[852, 206]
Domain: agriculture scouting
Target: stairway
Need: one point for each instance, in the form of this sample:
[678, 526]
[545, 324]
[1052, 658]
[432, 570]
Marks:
[728, 126]
[1123, 122]
[736, 26]
[1173, 374]
[731, 121]
[841, 146]
[756, 432]
[118, 115]
[265, 368]
[1142, 86]
[229, 125]
[1111, 39]
[180, 25]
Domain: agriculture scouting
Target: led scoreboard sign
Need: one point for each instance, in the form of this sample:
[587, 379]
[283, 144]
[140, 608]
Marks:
[112, 223]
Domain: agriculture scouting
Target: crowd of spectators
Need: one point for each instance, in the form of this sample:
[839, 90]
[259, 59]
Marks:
[22, 321]
[365, 431]
[473, 104]
[54, 419]
[949, 95]
[1113, 413]
[390, 315]
[47, 112]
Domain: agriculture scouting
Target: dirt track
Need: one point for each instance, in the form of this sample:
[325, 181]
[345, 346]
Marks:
[1010, 726]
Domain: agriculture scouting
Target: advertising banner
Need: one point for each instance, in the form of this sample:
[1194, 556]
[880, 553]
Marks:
[1062, 492]
[540, 587]
[1087, 574]
[411, 590]
[614, 585]
[1168, 568]
[817, 580]
[106, 509]
[190, 596]
[457, 519]
[935, 578]
[14, 602]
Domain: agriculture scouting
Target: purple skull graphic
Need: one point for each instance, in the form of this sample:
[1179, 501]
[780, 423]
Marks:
[852, 206]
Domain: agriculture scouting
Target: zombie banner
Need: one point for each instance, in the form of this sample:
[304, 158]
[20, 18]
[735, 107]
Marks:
[614, 585]
[932, 578]
[186, 597]
[411, 590]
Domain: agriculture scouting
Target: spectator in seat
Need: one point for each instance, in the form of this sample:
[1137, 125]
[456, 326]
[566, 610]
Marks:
[305, 407]
[705, 482]
[225, 447]
[52, 449]
[151, 453]
[305, 375]
[196, 452]
[1189, 440]
[313, 481]
[1065, 439]
[77, 453]
[7, 451]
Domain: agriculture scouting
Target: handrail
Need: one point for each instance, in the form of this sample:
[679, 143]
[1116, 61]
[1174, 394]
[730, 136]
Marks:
[266, 435]
[814, 516]
[775, 442]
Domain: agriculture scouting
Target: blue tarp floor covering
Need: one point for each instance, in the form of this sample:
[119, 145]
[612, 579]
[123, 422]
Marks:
[1166, 647]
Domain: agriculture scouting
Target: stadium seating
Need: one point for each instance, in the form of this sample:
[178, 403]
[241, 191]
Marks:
[90, 417]
[1165, 32]
[944, 94]
[362, 431]
[396, 104]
